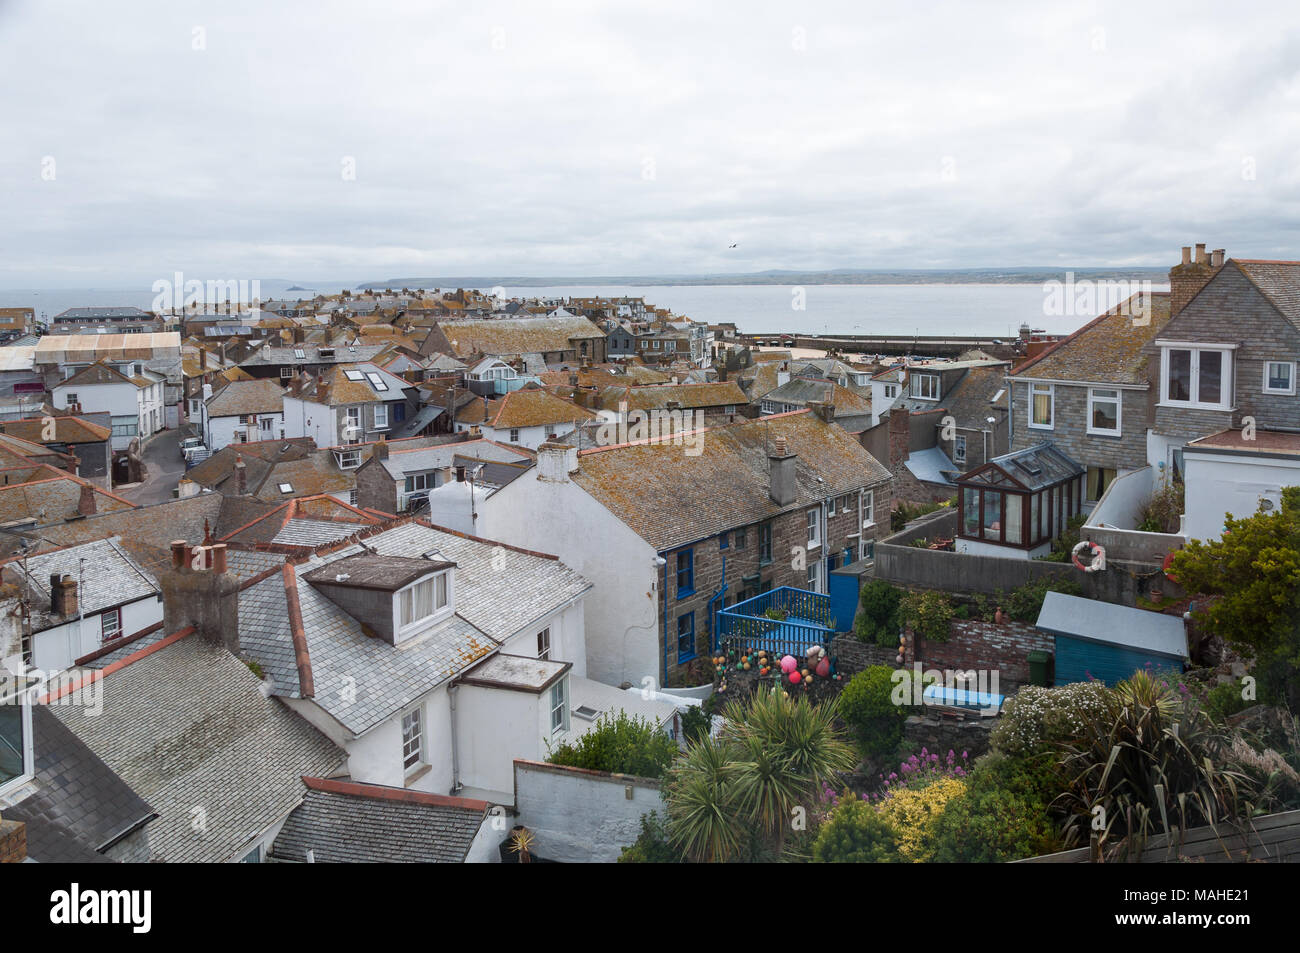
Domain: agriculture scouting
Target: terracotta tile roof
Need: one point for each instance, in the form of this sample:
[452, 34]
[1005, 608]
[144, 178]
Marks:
[669, 498]
[1108, 349]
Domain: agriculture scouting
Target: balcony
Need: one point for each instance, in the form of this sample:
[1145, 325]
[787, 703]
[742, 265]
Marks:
[783, 621]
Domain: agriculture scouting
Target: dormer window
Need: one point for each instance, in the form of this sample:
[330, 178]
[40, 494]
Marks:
[423, 603]
[1196, 376]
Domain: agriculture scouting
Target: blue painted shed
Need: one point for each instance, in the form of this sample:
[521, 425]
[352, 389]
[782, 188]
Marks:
[844, 586]
[1104, 641]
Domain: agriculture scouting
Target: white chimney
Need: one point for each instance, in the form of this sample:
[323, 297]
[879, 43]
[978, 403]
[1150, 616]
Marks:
[555, 461]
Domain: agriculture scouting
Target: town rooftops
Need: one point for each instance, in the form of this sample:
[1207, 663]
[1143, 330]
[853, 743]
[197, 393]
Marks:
[98, 314]
[97, 373]
[311, 354]
[685, 396]
[527, 407]
[800, 391]
[106, 575]
[189, 728]
[53, 498]
[239, 398]
[346, 822]
[515, 336]
[402, 460]
[670, 498]
[355, 384]
[76, 348]
[1108, 349]
[67, 430]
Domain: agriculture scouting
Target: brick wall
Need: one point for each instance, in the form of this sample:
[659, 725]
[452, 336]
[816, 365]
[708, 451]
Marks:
[988, 646]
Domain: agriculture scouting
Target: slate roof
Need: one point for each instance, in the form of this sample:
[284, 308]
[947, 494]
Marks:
[516, 336]
[52, 499]
[80, 806]
[670, 499]
[346, 822]
[800, 391]
[970, 400]
[262, 396]
[188, 728]
[1278, 280]
[341, 390]
[308, 532]
[687, 396]
[97, 373]
[107, 577]
[415, 460]
[1107, 349]
[343, 354]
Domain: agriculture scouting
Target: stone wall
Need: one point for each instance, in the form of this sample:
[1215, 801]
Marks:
[941, 734]
[581, 816]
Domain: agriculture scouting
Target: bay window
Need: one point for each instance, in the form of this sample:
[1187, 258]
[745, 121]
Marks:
[1197, 376]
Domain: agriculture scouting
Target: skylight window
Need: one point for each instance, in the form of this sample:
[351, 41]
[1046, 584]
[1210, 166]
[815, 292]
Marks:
[299, 354]
[377, 382]
[352, 375]
[286, 487]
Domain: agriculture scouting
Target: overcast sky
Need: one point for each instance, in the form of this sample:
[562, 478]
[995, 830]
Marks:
[490, 138]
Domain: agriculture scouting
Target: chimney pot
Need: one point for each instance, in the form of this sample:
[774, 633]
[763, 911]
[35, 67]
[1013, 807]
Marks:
[178, 553]
[1200, 253]
[1187, 254]
[1216, 257]
[86, 502]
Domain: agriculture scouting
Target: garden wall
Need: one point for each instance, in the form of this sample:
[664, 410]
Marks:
[941, 734]
[581, 816]
[985, 645]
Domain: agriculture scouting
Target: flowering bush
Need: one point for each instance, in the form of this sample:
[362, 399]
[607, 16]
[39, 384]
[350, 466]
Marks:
[914, 814]
[923, 769]
[1035, 718]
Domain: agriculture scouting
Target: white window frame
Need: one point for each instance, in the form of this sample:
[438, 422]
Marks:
[559, 703]
[413, 740]
[868, 508]
[381, 416]
[28, 770]
[1118, 401]
[418, 624]
[1289, 391]
[104, 631]
[1227, 380]
[1034, 390]
[814, 518]
[937, 389]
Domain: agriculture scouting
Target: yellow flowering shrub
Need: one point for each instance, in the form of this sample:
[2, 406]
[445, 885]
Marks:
[914, 815]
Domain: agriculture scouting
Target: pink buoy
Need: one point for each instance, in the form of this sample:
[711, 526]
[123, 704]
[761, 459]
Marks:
[794, 678]
[824, 668]
[788, 664]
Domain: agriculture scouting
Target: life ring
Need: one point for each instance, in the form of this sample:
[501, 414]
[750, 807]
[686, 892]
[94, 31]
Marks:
[1165, 566]
[1098, 556]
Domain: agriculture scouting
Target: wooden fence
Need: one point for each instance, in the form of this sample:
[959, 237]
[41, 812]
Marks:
[1274, 838]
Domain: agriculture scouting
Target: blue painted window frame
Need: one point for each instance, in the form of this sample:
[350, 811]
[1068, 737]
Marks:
[685, 573]
[686, 631]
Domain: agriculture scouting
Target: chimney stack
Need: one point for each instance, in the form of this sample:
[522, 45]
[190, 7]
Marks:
[781, 473]
[380, 451]
[198, 591]
[241, 475]
[1187, 279]
[64, 600]
[555, 461]
[86, 503]
[1216, 258]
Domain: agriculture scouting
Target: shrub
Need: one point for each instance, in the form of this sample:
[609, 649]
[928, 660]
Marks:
[1035, 775]
[904, 513]
[928, 613]
[867, 707]
[915, 815]
[855, 833]
[921, 770]
[991, 826]
[1036, 718]
[696, 723]
[622, 745]
[878, 616]
[1162, 513]
[1024, 604]
[1064, 544]
[651, 845]
[1225, 700]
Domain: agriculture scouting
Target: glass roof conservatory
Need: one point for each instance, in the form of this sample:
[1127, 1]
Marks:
[1021, 499]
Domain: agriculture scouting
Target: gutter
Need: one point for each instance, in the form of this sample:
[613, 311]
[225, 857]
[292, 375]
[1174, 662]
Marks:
[452, 689]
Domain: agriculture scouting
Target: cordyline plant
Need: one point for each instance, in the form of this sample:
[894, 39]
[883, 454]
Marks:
[1149, 765]
[773, 756]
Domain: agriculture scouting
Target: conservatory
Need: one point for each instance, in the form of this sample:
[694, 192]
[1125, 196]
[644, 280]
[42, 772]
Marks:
[1016, 504]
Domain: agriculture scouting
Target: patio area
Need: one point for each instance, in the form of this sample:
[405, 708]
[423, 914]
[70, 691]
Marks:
[783, 621]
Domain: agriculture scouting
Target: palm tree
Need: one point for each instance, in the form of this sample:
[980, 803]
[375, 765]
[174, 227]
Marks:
[702, 816]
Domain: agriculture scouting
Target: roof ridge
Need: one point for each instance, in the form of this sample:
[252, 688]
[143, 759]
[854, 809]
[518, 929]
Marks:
[383, 792]
[306, 684]
[101, 673]
[679, 434]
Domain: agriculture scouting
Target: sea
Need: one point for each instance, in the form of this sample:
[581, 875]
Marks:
[992, 310]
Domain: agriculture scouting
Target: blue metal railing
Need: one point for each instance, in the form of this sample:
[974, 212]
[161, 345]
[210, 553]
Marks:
[799, 619]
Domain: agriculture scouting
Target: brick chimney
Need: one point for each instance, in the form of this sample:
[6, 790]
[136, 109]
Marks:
[241, 475]
[198, 591]
[63, 595]
[781, 473]
[1188, 277]
[823, 409]
[380, 451]
[86, 502]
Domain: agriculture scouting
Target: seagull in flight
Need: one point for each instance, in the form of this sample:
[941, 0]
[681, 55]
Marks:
[733, 244]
